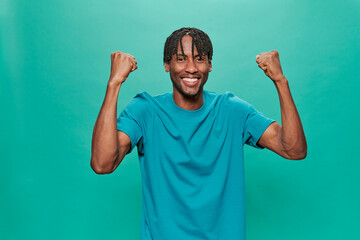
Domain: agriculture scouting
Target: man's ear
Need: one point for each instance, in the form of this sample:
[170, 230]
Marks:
[167, 67]
[210, 66]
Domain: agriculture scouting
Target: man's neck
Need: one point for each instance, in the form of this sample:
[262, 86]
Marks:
[190, 104]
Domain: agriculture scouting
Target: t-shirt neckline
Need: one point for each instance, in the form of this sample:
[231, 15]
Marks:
[197, 112]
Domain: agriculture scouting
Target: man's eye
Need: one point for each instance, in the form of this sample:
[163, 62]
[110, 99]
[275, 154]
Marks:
[199, 59]
[180, 59]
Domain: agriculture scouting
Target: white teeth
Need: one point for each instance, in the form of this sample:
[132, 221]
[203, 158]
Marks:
[190, 79]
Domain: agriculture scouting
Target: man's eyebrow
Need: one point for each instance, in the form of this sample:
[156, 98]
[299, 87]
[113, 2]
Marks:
[197, 55]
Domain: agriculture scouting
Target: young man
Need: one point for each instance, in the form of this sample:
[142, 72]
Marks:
[190, 142]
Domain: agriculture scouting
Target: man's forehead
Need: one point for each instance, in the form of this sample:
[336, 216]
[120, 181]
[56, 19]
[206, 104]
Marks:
[181, 42]
[179, 53]
[180, 49]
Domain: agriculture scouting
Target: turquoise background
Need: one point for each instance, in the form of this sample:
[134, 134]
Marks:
[54, 67]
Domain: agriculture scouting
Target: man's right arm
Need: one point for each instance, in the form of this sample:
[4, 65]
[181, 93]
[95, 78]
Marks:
[109, 146]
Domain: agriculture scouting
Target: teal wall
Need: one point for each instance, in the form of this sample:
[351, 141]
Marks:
[54, 66]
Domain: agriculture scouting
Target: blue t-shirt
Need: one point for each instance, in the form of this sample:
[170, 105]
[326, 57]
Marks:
[192, 164]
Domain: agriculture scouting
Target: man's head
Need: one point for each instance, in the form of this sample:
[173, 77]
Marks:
[187, 56]
[201, 41]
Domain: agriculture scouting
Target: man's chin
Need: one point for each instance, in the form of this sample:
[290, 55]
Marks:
[190, 94]
[193, 93]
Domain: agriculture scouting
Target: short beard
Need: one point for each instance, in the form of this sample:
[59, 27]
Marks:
[184, 94]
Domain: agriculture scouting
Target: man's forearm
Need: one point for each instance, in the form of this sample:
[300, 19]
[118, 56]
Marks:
[105, 148]
[292, 133]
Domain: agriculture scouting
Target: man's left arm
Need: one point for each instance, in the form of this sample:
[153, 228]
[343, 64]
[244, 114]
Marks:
[287, 140]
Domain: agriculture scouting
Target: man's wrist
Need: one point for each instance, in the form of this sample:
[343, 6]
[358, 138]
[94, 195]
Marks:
[280, 80]
[113, 88]
[114, 84]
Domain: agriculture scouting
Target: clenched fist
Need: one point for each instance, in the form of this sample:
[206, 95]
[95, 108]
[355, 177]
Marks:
[270, 63]
[121, 66]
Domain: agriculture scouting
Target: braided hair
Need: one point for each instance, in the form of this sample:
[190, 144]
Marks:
[199, 39]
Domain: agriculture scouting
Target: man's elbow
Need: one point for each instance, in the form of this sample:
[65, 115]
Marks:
[100, 168]
[295, 151]
[298, 156]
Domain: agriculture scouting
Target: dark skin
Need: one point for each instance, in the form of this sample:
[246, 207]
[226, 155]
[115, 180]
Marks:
[287, 140]
[188, 74]
[109, 146]
[186, 95]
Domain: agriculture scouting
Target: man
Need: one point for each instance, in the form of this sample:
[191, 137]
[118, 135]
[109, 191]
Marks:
[190, 142]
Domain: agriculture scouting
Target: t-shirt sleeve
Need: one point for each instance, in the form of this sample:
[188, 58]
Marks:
[131, 119]
[255, 125]
[252, 122]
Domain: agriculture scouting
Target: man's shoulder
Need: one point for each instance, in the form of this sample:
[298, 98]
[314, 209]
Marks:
[230, 99]
[139, 102]
[145, 96]
[144, 101]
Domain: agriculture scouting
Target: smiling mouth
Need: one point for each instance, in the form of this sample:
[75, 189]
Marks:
[190, 80]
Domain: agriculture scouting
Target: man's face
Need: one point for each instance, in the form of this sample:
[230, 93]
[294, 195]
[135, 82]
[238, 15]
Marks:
[188, 74]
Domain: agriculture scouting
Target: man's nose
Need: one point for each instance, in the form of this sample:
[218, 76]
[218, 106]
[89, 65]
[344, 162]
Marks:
[191, 66]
